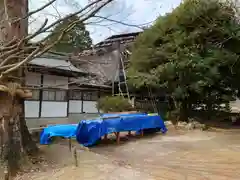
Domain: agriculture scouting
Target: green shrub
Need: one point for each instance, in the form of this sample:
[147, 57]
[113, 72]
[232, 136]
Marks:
[114, 104]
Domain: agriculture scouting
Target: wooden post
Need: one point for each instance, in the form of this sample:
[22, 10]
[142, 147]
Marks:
[129, 133]
[6, 174]
[40, 97]
[75, 156]
[142, 132]
[105, 137]
[70, 144]
[118, 137]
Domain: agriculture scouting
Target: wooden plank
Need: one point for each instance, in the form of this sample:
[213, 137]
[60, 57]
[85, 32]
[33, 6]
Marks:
[118, 137]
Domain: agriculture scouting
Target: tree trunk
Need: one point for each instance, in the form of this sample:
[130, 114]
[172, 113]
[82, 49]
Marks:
[19, 30]
[29, 146]
[15, 137]
[11, 146]
[184, 111]
[209, 109]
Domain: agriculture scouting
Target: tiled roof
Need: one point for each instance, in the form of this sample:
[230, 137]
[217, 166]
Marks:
[121, 38]
[89, 81]
[57, 64]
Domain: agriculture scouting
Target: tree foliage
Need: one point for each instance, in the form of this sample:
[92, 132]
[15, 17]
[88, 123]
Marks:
[192, 53]
[114, 104]
[77, 39]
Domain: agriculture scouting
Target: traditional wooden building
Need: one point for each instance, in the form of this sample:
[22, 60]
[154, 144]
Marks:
[61, 91]
[146, 98]
[67, 87]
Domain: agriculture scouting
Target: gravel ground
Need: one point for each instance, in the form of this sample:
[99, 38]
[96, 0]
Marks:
[178, 155]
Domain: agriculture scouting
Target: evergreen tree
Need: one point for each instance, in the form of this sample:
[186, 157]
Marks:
[193, 53]
[77, 39]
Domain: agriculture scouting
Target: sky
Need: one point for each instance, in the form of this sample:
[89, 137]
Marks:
[131, 12]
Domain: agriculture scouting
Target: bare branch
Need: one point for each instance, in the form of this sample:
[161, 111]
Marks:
[79, 12]
[36, 11]
[140, 26]
[59, 15]
[37, 32]
[16, 53]
[37, 52]
[88, 16]
[20, 63]
[9, 45]
[19, 48]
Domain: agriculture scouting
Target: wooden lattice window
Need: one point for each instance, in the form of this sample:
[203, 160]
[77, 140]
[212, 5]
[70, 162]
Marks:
[54, 95]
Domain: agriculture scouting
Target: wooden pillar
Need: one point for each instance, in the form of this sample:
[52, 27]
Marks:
[40, 97]
[82, 101]
[68, 97]
[98, 99]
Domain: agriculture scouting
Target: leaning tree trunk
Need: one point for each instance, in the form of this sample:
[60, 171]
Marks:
[29, 146]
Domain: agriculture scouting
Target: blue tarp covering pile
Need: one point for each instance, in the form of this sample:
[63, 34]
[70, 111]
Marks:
[66, 131]
[90, 131]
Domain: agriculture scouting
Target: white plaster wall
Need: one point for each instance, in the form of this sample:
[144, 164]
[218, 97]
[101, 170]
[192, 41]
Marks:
[31, 109]
[52, 80]
[90, 107]
[75, 106]
[235, 106]
[54, 109]
[33, 79]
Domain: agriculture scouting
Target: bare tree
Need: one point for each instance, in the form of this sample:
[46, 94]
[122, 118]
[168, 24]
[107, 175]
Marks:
[16, 50]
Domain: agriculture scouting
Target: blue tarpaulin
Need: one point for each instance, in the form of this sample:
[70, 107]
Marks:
[66, 131]
[89, 131]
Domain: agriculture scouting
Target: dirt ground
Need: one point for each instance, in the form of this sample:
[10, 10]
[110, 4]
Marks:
[178, 155]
